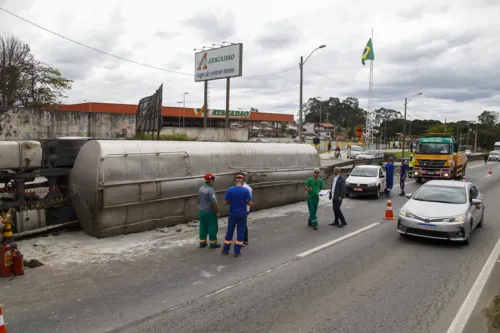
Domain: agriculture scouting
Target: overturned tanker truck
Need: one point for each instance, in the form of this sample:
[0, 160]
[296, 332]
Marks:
[115, 187]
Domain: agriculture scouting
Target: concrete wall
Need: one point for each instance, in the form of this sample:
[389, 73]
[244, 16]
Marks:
[32, 124]
[208, 134]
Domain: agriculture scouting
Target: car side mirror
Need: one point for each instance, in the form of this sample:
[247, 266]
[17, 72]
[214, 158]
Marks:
[476, 201]
[409, 195]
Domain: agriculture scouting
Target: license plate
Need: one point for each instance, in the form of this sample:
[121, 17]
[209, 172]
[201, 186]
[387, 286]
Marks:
[430, 172]
[358, 189]
[427, 226]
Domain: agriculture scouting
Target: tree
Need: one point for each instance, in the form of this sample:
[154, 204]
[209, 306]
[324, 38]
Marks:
[489, 118]
[254, 110]
[384, 114]
[283, 128]
[25, 81]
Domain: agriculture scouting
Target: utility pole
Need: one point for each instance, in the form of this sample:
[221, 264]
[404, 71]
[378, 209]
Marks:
[404, 124]
[475, 140]
[404, 130]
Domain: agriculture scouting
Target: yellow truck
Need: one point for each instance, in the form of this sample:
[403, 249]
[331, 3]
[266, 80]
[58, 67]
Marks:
[438, 156]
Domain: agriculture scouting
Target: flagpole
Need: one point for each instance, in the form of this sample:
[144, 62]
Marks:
[370, 101]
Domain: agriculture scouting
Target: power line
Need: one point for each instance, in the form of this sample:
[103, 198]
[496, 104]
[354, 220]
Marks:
[125, 59]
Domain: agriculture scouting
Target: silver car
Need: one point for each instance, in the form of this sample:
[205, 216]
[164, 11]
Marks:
[442, 209]
[494, 156]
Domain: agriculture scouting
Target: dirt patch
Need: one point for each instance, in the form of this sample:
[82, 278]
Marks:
[33, 263]
[492, 314]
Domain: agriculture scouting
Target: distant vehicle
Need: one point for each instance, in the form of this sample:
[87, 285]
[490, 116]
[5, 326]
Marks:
[354, 151]
[494, 156]
[375, 155]
[296, 139]
[262, 140]
[496, 146]
[442, 209]
[468, 152]
[437, 156]
[365, 180]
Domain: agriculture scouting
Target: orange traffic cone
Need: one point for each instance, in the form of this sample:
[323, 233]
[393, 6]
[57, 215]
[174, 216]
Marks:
[3, 329]
[389, 213]
[490, 172]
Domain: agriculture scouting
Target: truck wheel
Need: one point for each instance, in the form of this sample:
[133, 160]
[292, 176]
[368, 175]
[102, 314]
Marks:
[418, 180]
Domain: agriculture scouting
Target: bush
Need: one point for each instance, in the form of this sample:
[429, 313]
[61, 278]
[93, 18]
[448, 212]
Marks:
[163, 137]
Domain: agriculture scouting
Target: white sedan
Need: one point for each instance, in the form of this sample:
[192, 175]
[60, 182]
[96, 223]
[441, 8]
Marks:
[366, 180]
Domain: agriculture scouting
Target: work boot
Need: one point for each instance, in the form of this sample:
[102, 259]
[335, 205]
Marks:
[402, 194]
[203, 245]
[236, 255]
[216, 246]
[225, 252]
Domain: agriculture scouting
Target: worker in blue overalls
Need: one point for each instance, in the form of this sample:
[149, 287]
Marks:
[389, 176]
[237, 197]
[403, 173]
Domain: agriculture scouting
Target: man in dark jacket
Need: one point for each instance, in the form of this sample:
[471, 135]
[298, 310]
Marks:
[337, 195]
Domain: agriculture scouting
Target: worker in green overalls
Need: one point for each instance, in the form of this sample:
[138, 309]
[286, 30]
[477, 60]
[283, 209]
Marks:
[313, 186]
[410, 165]
[209, 213]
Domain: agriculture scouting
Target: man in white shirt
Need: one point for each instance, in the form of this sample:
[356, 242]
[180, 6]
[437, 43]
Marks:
[245, 185]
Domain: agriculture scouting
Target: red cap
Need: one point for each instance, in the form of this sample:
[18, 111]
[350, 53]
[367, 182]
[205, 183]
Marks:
[209, 176]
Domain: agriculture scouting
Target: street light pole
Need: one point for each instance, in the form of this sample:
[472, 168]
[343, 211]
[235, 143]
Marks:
[475, 140]
[301, 67]
[184, 108]
[404, 124]
[179, 109]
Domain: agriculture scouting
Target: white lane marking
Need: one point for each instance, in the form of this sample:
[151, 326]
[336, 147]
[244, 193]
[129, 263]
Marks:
[337, 240]
[487, 176]
[460, 320]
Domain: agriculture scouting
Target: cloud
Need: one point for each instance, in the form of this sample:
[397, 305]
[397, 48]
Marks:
[278, 35]
[213, 24]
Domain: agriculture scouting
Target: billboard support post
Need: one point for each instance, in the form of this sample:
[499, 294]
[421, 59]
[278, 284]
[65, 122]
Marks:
[228, 86]
[205, 104]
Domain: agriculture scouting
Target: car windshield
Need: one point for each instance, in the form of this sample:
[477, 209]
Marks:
[439, 193]
[433, 148]
[356, 148]
[364, 172]
[495, 153]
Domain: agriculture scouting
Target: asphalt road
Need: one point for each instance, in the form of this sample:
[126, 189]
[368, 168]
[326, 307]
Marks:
[374, 281]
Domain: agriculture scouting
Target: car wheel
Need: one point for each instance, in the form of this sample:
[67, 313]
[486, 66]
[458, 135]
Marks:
[418, 180]
[378, 192]
[480, 224]
[467, 239]
[347, 195]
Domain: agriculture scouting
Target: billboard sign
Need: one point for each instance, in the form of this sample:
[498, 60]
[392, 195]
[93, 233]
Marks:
[222, 113]
[148, 116]
[219, 63]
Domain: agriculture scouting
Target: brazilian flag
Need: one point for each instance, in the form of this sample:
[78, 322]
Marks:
[368, 52]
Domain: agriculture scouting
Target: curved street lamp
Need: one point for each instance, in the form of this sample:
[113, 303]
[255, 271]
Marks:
[301, 67]
[404, 124]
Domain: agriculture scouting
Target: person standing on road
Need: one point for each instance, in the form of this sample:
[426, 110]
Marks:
[486, 155]
[337, 195]
[237, 197]
[245, 185]
[403, 173]
[389, 174]
[411, 164]
[209, 213]
[313, 186]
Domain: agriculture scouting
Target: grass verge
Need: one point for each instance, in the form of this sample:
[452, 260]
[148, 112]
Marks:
[492, 314]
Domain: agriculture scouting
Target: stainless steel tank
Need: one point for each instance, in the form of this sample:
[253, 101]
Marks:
[129, 186]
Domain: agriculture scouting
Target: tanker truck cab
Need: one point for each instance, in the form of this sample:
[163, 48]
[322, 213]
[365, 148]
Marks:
[437, 156]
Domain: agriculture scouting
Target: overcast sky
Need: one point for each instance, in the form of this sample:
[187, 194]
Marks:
[448, 50]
